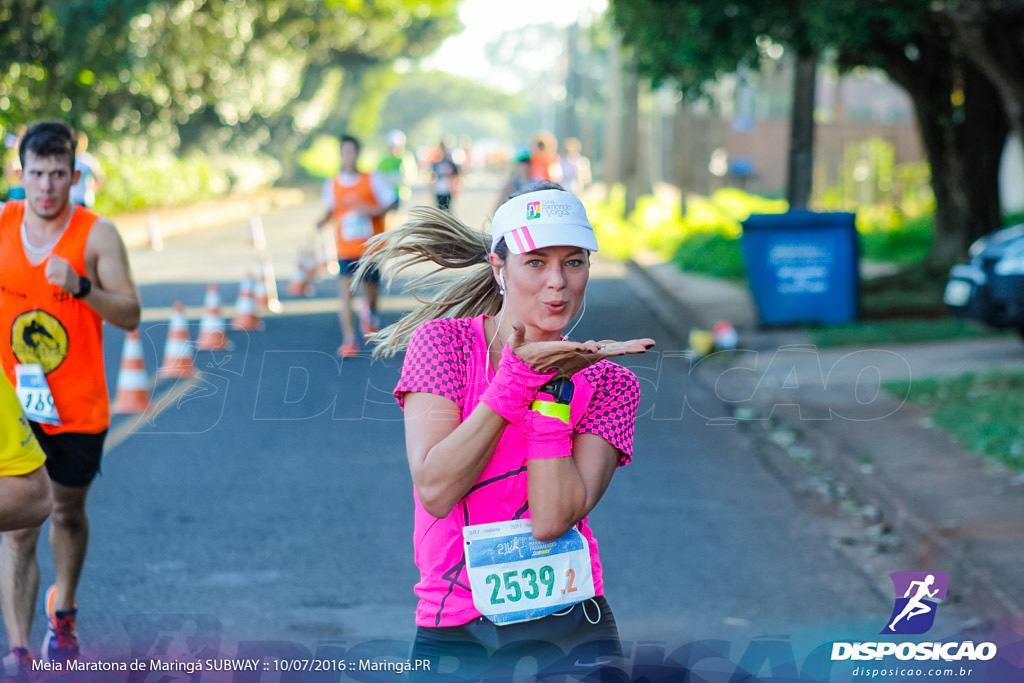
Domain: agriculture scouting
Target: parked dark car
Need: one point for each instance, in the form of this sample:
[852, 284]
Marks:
[990, 287]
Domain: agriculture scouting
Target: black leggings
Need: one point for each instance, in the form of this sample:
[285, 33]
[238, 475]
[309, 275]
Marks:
[581, 643]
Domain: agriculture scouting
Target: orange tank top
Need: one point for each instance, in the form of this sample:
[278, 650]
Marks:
[352, 229]
[41, 323]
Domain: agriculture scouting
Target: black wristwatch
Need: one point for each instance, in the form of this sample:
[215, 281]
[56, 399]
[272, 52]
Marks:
[560, 389]
[84, 287]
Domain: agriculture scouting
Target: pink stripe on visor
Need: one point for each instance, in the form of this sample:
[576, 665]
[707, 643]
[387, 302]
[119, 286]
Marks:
[519, 240]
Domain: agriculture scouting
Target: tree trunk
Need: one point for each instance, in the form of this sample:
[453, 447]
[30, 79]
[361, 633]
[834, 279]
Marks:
[801, 132]
[963, 144]
[993, 41]
[631, 141]
[682, 155]
[612, 162]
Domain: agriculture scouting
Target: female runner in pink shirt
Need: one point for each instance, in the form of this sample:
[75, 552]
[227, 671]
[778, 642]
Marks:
[513, 433]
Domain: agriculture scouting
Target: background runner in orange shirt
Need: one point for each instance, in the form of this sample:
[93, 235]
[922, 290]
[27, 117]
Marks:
[355, 205]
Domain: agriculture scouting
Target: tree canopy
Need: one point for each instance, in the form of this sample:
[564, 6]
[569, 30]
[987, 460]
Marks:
[206, 72]
[957, 59]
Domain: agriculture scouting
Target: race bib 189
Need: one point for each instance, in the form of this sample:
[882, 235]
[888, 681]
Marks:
[514, 577]
[34, 393]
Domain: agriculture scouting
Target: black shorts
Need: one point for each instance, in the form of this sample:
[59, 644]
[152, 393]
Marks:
[72, 459]
[581, 643]
[347, 267]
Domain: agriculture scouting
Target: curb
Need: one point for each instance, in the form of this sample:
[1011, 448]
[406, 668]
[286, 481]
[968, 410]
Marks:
[931, 543]
[973, 579]
[135, 227]
[679, 325]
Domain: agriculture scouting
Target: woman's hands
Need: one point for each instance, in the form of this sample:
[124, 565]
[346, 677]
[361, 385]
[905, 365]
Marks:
[569, 357]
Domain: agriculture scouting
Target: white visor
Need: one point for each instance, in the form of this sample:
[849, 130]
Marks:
[546, 218]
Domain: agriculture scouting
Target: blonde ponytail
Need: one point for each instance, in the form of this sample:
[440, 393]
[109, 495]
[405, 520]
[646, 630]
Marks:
[436, 237]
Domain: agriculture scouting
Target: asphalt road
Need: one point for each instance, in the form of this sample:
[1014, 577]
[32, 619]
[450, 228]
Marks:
[270, 502]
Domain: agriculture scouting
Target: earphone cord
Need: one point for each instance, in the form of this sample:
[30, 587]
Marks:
[497, 327]
[583, 309]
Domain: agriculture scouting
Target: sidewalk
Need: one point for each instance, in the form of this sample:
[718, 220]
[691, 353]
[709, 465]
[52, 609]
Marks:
[137, 228]
[954, 513]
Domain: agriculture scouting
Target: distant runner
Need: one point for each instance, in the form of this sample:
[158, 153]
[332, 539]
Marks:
[444, 178]
[355, 205]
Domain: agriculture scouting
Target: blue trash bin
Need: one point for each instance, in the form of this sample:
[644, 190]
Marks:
[802, 266]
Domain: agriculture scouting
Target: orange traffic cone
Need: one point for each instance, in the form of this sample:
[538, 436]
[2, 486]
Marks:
[132, 383]
[246, 317]
[302, 280]
[178, 349]
[298, 282]
[212, 333]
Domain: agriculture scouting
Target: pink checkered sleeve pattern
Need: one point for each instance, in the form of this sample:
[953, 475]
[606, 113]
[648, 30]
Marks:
[435, 361]
[611, 413]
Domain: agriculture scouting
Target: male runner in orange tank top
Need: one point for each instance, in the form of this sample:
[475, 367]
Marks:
[355, 203]
[63, 272]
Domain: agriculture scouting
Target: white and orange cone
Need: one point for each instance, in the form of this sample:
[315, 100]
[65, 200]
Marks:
[246, 317]
[212, 330]
[302, 280]
[178, 348]
[259, 294]
[132, 394]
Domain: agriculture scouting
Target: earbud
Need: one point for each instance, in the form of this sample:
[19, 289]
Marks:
[501, 281]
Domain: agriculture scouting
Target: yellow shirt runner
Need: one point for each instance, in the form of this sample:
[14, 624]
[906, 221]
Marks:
[20, 452]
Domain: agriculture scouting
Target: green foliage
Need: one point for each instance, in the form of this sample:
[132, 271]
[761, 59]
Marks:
[692, 43]
[322, 159]
[712, 254]
[894, 202]
[905, 242]
[703, 240]
[424, 96]
[209, 74]
[981, 411]
[164, 180]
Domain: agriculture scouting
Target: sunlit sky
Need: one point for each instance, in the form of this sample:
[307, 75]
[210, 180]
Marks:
[485, 20]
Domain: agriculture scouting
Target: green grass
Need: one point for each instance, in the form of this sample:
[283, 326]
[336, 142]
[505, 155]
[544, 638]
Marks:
[912, 292]
[905, 308]
[981, 411]
[907, 245]
[711, 254]
[897, 331]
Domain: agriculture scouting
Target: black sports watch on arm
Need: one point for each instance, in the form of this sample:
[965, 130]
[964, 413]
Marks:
[84, 287]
